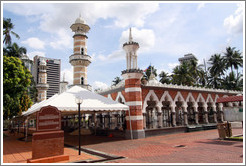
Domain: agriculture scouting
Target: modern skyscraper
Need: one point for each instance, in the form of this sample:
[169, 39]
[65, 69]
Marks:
[53, 73]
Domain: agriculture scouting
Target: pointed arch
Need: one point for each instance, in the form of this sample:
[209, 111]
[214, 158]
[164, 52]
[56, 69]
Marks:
[209, 99]
[200, 97]
[119, 95]
[177, 97]
[216, 97]
[151, 93]
[110, 97]
[166, 94]
[190, 96]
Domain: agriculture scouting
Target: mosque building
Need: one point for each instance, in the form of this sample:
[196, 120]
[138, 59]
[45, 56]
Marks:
[154, 108]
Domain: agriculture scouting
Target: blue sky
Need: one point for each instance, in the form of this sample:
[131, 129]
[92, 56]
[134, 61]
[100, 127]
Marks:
[165, 32]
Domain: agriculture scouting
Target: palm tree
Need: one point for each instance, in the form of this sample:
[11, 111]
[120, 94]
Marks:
[216, 70]
[217, 67]
[233, 82]
[164, 77]
[14, 50]
[116, 80]
[233, 58]
[181, 75]
[7, 30]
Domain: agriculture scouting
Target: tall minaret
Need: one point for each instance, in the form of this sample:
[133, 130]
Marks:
[131, 52]
[133, 92]
[79, 59]
[42, 85]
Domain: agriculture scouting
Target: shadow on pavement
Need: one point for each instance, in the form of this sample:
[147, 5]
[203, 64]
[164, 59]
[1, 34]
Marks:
[218, 142]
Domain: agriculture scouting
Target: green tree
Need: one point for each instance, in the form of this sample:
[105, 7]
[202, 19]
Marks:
[182, 75]
[116, 80]
[16, 80]
[164, 78]
[233, 58]
[14, 50]
[233, 82]
[150, 69]
[8, 26]
[216, 70]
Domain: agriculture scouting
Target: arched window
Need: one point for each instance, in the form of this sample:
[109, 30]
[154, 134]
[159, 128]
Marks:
[82, 51]
[82, 80]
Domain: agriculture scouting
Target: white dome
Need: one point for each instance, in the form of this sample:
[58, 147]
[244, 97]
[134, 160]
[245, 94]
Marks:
[79, 20]
[42, 63]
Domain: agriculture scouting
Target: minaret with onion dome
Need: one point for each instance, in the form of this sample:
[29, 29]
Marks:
[133, 92]
[42, 85]
[79, 59]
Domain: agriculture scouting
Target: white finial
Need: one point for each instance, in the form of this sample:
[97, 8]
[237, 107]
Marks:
[130, 35]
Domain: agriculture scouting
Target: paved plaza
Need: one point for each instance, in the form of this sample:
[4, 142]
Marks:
[193, 147]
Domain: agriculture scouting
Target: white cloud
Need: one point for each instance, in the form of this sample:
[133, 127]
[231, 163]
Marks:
[63, 39]
[56, 15]
[139, 35]
[100, 85]
[234, 23]
[34, 53]
[200, 5]
[145, 38]
[68, 75]
[34, 42]
[172, 65]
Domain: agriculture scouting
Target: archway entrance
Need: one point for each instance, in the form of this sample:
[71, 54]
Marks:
[166, 114]
[201, 119]
[210, 113]
[191, 114]
[179, 113]
[151, 114]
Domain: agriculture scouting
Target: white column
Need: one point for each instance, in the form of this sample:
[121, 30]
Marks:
[196, 113]
[144, 120]
[185, 115]
[173, 116]
[205, 107]
[160, 119]
[214, 112]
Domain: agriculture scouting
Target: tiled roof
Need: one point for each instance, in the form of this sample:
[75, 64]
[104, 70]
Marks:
[229, 99]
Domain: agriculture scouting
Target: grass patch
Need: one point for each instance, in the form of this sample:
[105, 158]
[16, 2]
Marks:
[237, 138]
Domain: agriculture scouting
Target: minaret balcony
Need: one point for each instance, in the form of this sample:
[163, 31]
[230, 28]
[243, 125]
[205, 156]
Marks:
[79, 57]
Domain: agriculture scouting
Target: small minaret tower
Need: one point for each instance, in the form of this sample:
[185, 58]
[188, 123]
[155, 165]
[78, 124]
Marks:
[42, 85]
[79, 59]
[131, 52]
[133, 92]
[63, 85]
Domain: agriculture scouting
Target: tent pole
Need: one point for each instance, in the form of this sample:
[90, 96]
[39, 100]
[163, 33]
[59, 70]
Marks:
[130, 123]
[95, 123]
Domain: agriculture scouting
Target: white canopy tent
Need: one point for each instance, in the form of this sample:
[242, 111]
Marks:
[65, 102]
[92, 103]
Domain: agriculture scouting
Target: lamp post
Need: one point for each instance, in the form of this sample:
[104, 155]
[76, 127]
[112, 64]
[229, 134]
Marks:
[79, 101]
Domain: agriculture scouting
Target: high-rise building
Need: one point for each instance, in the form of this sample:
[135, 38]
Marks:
[187, 57]
[53, 73]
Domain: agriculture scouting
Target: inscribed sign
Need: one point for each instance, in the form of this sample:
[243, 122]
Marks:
[48, 119]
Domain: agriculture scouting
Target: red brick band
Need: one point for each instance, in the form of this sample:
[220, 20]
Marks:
[136, 124]
[47, 135]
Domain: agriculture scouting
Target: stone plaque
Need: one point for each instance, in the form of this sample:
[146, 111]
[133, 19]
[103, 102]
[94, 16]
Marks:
[48, 119]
